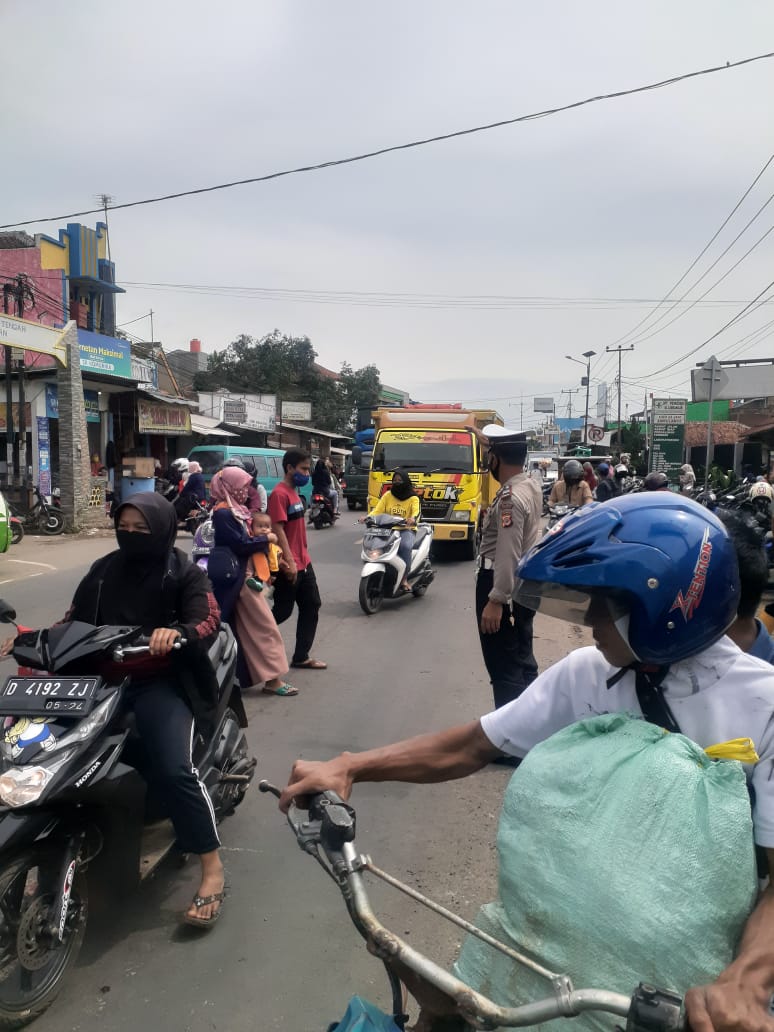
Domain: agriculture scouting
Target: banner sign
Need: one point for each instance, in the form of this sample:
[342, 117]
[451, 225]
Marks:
[15, 414]
[90, 398]
[154, 417]
[31, 336]
[44, 456]
[106, 355]
[667, 436]
[301, 410]
[543, 405]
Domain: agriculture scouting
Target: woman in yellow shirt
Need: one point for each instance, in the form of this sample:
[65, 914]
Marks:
[401, 501]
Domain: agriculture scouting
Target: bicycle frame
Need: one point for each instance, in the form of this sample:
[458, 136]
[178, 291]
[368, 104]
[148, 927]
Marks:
[329, 830]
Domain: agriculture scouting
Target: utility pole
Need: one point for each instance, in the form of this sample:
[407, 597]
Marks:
[105, 200]
[618, 350]
[712, 375]
[570, 392]
[151, 320]
[8, 353]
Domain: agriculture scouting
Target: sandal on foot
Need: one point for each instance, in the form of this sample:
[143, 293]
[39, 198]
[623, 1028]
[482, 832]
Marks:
[310, 664]
[203, 901]
[283, 689]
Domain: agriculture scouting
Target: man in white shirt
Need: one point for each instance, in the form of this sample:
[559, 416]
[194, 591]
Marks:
[655, 577]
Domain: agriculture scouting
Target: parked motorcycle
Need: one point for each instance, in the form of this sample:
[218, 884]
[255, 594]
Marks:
[382, 573]
[321, 511]
[70, 790]
[17, 529]
[43, 517]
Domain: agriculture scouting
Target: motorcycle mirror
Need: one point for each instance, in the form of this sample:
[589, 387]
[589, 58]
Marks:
[7, 612]
[357, 455]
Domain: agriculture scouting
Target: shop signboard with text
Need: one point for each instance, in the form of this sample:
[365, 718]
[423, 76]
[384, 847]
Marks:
[249, 411]
[107, 355]
[90, 398]
[44, 456]
[154, 417]
[667, 436]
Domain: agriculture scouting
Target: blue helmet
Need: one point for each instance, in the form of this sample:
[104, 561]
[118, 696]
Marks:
[661, 558]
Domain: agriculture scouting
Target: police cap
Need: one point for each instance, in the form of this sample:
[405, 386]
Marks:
[510, 444]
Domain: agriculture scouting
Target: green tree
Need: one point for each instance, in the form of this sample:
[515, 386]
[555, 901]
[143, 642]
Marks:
[285, 366]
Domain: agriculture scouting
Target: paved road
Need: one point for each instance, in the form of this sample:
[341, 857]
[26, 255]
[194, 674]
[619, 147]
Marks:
[284, 955]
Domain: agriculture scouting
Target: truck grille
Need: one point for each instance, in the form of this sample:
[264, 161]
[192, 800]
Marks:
[435, 510]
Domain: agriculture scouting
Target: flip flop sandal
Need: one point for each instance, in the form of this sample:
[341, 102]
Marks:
[311, 664]
[284, 689]
[203, 901]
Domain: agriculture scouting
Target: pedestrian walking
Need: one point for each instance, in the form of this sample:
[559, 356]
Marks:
[511, 527]
[296, 585]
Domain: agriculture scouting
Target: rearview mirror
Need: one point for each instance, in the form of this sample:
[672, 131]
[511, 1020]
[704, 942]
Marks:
[357, 455]
[7, 612]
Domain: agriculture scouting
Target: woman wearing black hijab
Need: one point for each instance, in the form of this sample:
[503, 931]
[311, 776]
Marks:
[149, 582]
[401, 500]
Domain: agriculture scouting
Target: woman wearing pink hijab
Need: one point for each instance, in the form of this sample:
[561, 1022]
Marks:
[261, 649]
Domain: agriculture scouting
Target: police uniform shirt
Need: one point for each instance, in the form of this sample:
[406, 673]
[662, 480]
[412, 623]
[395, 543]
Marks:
[511, 528]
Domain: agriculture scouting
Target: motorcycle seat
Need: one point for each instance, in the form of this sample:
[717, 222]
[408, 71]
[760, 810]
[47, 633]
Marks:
[219, 647]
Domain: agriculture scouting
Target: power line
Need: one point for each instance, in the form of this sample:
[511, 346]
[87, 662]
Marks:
[403, 146]
[706, 247]
[380, 299]
[748, 308]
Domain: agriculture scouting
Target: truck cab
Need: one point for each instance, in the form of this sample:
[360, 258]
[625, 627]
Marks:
[444, 462]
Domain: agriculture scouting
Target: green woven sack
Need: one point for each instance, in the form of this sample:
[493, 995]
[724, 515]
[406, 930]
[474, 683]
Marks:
[626, 855]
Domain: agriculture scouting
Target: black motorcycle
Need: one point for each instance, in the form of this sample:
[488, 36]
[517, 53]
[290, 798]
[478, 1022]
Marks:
[321, 511]
[42, 518]
[71, 790]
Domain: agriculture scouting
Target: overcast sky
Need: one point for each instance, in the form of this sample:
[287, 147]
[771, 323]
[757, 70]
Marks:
[610, 201]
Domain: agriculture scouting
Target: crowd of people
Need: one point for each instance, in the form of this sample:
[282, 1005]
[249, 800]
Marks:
[676, 640]
[669, 590]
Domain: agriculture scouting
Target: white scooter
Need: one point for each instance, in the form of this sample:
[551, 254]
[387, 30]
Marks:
[383, 570]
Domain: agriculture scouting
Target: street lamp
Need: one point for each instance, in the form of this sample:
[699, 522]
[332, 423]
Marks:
[588, 355]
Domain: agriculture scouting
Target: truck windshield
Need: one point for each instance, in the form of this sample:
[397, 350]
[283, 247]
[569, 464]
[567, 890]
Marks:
[423, 456]
[210, 461]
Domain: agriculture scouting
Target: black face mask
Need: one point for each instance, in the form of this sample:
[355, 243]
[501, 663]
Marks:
[401, 490]
[494, 467]
[140, 547]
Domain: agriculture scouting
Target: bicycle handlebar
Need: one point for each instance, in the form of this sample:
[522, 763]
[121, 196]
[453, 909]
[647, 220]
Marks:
[331, 826]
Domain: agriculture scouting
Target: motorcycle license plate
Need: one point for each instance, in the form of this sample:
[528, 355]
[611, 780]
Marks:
[40, 695]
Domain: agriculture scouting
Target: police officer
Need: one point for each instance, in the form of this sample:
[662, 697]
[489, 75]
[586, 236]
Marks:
[511, 527]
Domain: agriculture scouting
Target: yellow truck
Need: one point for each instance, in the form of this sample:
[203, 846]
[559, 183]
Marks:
[445, 463]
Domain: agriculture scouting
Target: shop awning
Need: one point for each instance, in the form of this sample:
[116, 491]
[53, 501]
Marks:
[340, 451]
[208, 427]
[314, 431]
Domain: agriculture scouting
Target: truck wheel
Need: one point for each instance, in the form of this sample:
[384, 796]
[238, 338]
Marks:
[351, 504]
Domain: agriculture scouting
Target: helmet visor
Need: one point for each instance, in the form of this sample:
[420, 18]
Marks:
[577, 605]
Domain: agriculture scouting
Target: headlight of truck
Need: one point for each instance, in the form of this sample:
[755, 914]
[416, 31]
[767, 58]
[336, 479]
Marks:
[460, 516]
[22, 786]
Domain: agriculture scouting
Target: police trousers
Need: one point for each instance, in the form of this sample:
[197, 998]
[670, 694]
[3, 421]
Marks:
[508, 655]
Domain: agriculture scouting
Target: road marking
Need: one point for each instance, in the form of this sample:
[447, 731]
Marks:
[29, 576]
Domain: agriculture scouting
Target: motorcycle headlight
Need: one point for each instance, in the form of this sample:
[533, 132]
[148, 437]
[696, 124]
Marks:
[22, 786]
[87, 728]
